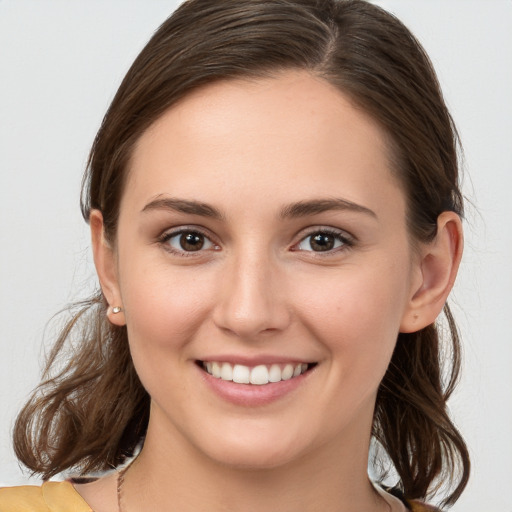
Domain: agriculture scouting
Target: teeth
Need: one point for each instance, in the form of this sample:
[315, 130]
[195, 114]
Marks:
[226, 372]
[240, 374]
[216, 370]
[258, 375]
[287, 372]
[274, 374]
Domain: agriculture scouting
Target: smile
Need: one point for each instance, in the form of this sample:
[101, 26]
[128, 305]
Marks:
[257, 375]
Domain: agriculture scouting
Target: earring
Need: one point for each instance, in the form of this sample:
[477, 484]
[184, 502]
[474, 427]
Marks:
[116, 309]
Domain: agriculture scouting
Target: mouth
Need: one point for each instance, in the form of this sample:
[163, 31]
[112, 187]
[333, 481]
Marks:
[259, 375]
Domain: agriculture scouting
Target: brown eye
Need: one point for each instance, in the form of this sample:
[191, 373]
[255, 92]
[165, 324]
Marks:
[324, 241]
[191, 241]
[188, 241]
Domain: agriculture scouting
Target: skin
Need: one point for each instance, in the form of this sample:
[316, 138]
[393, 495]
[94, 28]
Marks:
[250, 149]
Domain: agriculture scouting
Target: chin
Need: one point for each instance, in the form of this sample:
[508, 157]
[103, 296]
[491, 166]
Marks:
[253, 460]
[255, 454]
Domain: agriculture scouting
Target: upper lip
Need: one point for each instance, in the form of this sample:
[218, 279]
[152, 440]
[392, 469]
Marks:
[255, 360]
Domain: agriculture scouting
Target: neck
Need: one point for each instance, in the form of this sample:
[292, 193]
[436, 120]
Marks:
[170, 474]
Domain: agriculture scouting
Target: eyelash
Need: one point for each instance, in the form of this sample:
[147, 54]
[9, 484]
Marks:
[165, 237]
[347, 241]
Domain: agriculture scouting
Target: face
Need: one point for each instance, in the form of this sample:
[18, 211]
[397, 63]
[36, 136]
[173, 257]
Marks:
[262, 237]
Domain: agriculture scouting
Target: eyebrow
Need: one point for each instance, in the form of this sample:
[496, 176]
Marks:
[184, 206]
[293, 210]
[316, 206]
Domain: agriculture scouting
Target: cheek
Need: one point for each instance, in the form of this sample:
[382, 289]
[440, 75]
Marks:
[164, 307]
[356, 313]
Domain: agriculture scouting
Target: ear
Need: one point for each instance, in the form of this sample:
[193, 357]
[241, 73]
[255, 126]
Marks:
[106, 268]
[439, 262]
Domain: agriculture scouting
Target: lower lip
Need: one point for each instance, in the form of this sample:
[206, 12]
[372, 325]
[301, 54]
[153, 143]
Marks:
[252, 395]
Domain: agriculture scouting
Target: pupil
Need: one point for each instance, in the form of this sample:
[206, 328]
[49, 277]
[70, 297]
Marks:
[322, 242]
[191, 241]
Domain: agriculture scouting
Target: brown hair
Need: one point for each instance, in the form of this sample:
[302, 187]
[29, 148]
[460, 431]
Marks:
[90, 413]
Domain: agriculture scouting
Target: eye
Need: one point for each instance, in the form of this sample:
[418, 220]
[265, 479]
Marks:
[323, 241]
[187, 241]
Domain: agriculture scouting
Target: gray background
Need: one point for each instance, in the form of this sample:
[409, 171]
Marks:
[60, 64]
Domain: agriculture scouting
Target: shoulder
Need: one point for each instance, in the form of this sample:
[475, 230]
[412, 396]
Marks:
[417, 506]
[398, 498]
[49, 497]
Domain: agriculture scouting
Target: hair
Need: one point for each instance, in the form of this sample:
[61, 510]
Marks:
[91, 410]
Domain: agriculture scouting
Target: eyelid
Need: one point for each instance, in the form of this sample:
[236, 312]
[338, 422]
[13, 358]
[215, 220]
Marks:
[348, 240]
[179, 230]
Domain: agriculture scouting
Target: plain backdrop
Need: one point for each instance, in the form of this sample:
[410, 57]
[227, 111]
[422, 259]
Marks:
[60, 64]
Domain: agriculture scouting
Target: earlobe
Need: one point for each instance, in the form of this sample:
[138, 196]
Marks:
[106, 268]
[439, 263]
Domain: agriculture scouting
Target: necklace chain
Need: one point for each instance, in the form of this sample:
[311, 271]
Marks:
[120, 482]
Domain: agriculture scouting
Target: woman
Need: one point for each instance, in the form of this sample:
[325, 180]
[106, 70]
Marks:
[275, 216]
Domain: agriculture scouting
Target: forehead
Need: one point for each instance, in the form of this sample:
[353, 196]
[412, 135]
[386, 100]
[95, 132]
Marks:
[290, 135]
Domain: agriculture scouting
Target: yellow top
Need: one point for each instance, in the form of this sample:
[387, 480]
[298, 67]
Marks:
[62, 497]
[49, 497]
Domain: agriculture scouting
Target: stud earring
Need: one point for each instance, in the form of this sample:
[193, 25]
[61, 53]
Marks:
[116, 309]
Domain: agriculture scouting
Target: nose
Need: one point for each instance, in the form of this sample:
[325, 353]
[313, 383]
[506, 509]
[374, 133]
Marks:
[252, 298]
